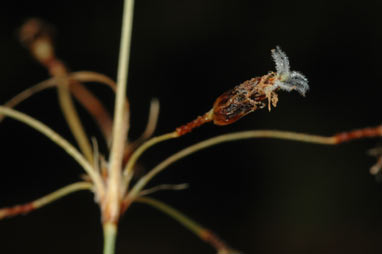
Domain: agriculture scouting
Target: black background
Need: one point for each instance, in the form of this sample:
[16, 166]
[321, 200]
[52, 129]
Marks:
[261, 196]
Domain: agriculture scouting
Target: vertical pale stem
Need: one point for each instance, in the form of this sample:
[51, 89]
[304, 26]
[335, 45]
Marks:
[111, 212]
[110, 235]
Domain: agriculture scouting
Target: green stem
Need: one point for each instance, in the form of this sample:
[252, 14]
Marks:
[110, 235]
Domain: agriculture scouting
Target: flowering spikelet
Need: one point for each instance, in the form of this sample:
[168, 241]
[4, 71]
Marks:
[251, 95]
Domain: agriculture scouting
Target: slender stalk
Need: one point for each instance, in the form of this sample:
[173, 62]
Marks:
[200, 231]
[71, 116]
[36, 35]
[148, 132]
[80, 76]
[301, 137]
[25, 94]
[91, 76]
[128, 170]
[83, 95]
[94, 107]
[60, 141]
[161, 187]
[187, 222]
[121, 115]
[151, 122]
[110, 235]
[38, 203]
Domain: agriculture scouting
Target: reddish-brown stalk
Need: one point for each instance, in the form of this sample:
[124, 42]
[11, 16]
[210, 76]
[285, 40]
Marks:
[16, 210]
[36, 35]
[369, 132]
[212, 239]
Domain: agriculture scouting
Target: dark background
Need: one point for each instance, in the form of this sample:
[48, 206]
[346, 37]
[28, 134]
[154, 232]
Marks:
[261, 196]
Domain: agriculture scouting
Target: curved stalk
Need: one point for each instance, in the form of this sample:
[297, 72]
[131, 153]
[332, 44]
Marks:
[38, 203]
[38, 38]
[60, 141]
[200, 231]
[25, 94]
[80, 76]
[128, 170]
[148, 132]
[187, 222]
[71, 116]
[94, 107]
[161, 187]
[274, 134]
[151, 122]
[82, 94]
[91, 76]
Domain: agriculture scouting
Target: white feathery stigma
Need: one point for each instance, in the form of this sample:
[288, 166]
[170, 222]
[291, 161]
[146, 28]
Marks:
[288, 80]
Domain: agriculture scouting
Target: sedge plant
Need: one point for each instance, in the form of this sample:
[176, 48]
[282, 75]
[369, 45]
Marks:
[109, 176]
